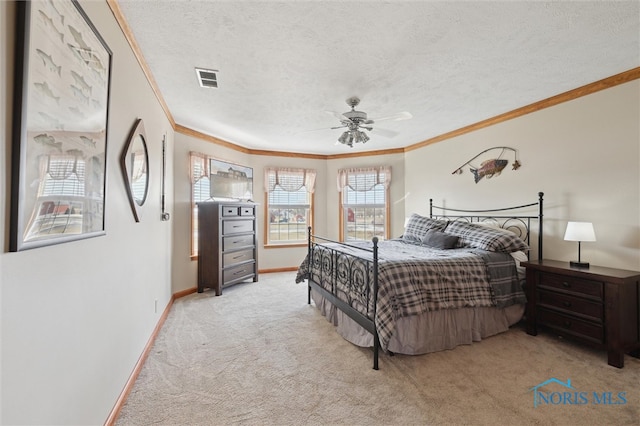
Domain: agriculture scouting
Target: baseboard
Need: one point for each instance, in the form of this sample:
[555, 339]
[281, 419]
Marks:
[113, 416]
[287, 269]
[183, 293]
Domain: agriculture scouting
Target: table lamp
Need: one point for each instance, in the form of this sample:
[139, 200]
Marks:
[579, 231]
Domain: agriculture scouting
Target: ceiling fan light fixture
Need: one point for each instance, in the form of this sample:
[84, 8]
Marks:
[363, 137]
[351, 136]
[343, 138]
[350, 140]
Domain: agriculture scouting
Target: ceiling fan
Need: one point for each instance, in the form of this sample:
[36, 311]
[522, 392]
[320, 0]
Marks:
[356, 121]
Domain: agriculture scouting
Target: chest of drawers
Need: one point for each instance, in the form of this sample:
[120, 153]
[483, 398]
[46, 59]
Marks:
[598, 305]
[227, 244]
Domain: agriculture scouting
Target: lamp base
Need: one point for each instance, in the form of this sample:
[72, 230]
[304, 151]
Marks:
[575, 264]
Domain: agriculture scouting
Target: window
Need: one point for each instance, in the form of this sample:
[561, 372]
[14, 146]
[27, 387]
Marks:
[289, 204]
[364, 207]
[200, 191]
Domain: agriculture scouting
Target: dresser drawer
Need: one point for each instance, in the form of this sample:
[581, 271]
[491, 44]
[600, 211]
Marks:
[247, 211]
[235, 242]
[575, 285]
[240, 272]
[593, 310]
[237, 226]
[228, 211]
[571, 325]
[232, 258]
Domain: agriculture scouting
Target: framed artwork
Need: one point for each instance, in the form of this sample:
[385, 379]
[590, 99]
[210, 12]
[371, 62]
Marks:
[61, 109]
[228, 180]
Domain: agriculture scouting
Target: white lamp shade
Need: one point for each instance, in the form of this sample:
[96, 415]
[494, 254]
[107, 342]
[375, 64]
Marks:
[580, 231]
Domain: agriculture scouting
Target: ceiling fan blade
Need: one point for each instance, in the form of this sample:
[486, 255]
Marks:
[394, 117]
[316, 130]
[384, 132]
[340, 116]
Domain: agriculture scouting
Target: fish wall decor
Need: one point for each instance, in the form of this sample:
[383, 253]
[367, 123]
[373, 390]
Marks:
[490, 167]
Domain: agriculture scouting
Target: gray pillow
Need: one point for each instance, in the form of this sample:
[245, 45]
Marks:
[439, 240]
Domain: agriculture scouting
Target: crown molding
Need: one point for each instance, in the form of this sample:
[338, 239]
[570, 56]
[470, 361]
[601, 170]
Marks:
[605, 83]
[128, 34]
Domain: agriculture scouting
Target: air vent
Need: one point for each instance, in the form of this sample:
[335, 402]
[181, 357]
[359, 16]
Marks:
[207, 78]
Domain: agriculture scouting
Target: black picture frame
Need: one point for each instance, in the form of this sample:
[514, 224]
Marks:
[60, 122]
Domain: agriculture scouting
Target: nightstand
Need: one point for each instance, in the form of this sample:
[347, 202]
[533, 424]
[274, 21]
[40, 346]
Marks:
[598, 305]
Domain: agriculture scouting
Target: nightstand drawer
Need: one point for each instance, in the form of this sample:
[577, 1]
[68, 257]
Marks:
[572, 284]
[571, 304]
[596, 305]
[571, 325]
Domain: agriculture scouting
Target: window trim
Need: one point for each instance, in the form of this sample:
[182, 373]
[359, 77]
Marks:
[342, 178]
[311, 191]
[265, 240]
[387, 215]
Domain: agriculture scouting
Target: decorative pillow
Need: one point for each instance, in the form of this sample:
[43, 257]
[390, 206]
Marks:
[417, 227]
[485, 238]
[439, 240]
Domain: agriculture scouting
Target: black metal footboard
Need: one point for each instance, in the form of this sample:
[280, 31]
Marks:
[349, 281]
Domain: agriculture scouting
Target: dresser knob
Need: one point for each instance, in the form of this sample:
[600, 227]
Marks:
[566, 284]
[567, 304]
[567, 324]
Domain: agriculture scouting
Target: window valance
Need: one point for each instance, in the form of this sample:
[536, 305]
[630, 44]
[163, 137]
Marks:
[289, 179]
[364, 179]
[199, 166]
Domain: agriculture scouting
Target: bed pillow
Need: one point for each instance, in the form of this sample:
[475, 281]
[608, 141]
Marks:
[417, 226]
[485, 238]
[439, 240]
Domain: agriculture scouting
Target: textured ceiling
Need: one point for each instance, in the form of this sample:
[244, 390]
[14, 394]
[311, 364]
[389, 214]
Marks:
[282, 65]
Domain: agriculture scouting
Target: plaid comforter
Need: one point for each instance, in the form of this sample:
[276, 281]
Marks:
[413, 279]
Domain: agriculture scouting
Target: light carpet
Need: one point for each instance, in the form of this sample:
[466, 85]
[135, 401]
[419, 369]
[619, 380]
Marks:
[259, 355]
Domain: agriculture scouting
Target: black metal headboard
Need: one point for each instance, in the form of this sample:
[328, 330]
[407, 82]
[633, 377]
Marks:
[519, 224]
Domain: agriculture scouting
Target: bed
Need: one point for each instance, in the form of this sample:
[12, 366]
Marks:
[452, 278]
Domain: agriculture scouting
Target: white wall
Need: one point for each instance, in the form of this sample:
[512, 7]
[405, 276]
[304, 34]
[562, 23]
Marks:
[583, 154]
[75, 317]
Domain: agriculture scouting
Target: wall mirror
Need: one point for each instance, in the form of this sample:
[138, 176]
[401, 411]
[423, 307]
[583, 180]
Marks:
[135, 168]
